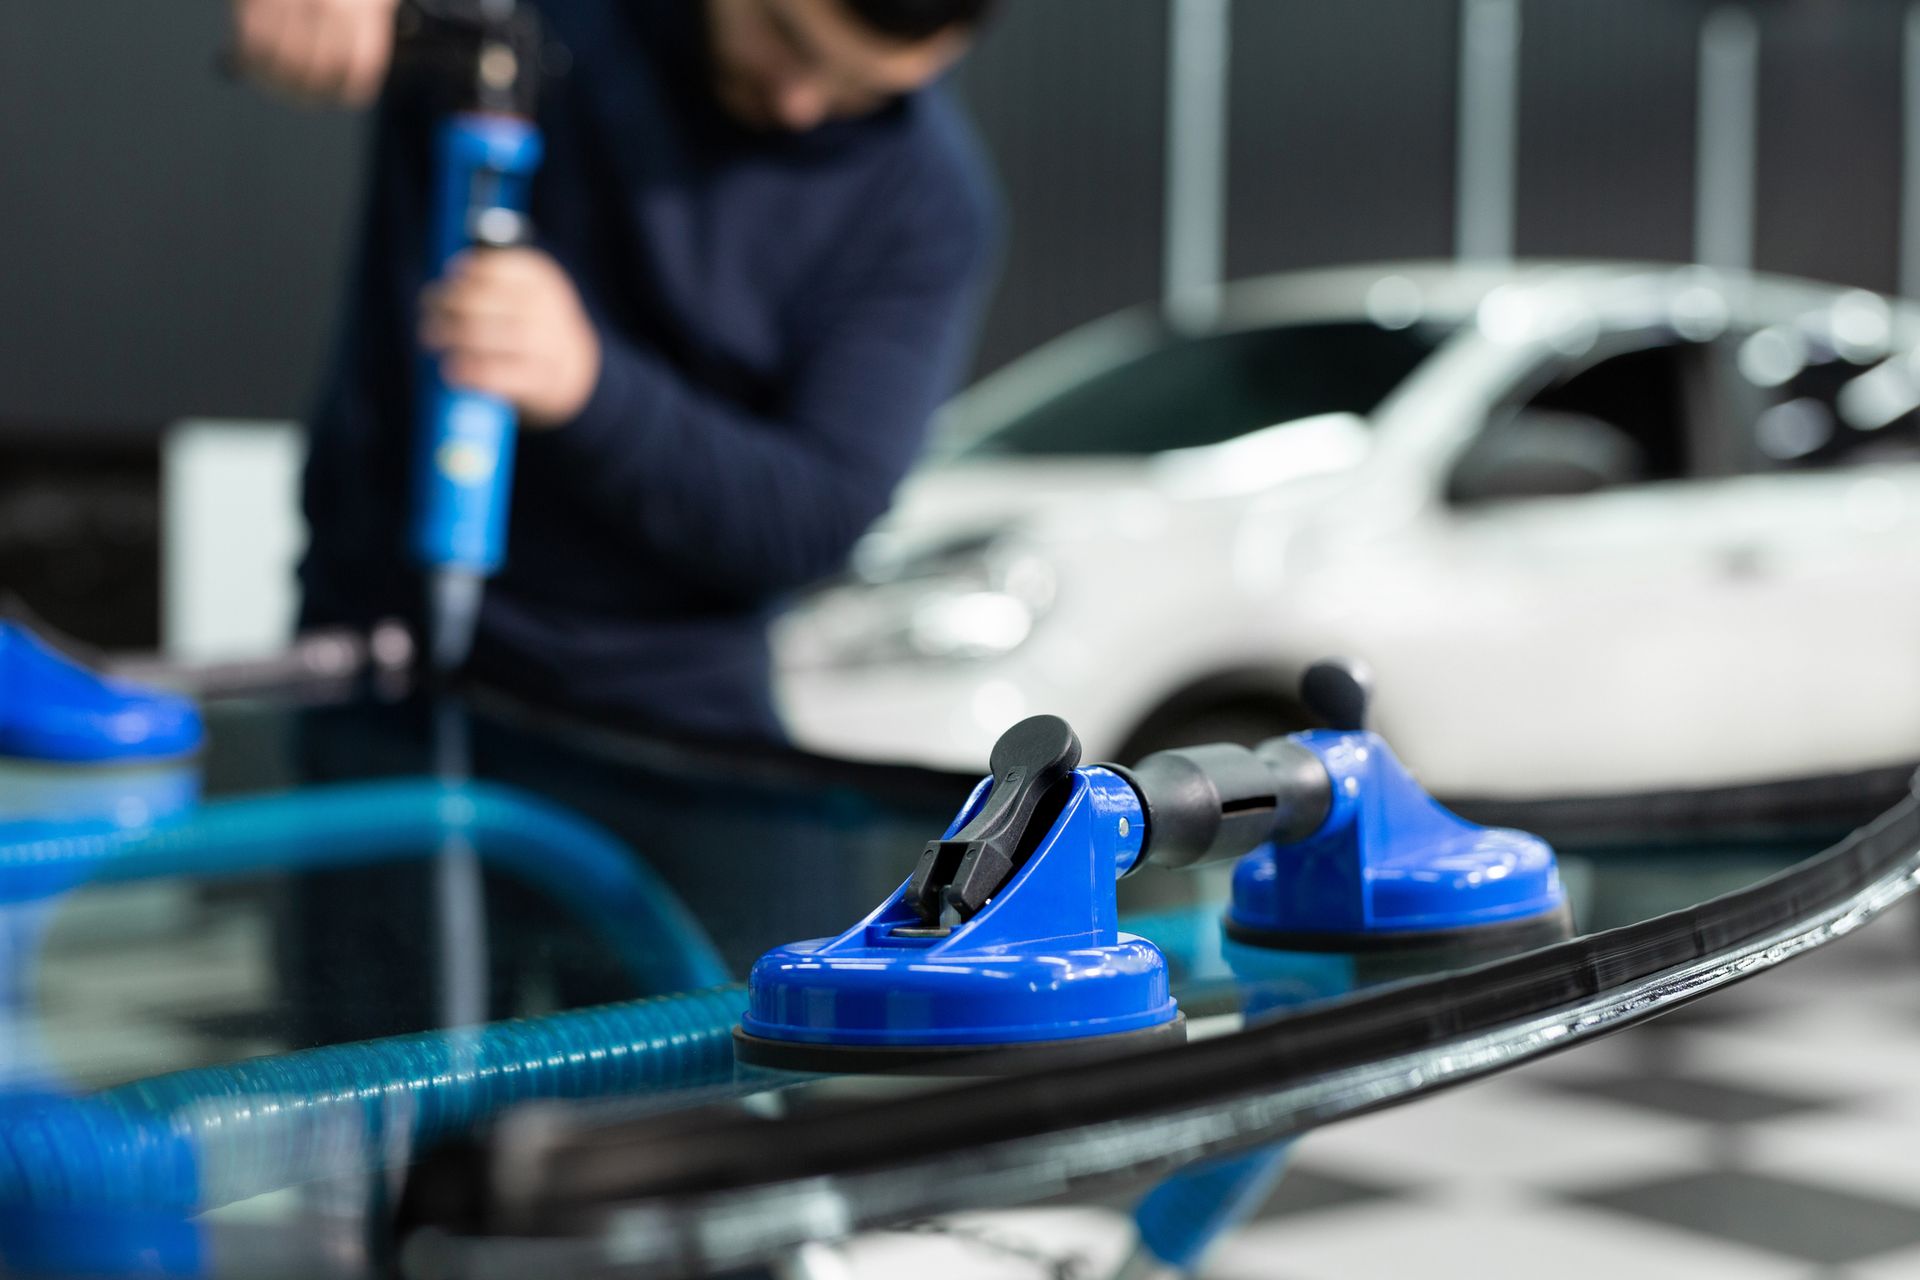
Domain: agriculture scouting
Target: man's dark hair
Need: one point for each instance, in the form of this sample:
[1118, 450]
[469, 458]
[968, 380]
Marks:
[918, 19]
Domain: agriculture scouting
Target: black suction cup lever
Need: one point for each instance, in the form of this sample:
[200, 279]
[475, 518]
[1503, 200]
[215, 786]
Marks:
[1338, 690]
[1207, 804]
[962, 873]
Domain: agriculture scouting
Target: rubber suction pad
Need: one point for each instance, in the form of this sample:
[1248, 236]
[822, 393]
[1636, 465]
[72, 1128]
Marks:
[1504, 937]
[967, 1060]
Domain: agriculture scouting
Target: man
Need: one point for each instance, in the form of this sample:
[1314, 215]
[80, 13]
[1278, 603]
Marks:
[761, 233]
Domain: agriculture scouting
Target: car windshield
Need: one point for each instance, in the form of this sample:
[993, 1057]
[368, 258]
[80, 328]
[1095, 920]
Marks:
[1830, 411]
[1206, 390]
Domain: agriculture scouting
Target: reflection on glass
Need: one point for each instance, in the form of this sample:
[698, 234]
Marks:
[1793, 429]
[1773, 357]
[1218, 388]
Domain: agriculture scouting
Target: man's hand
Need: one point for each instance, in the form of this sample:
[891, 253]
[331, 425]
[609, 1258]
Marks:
[509, 322]
[333, 51]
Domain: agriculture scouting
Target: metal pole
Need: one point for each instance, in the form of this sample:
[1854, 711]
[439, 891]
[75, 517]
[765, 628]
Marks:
[1910, 160]
[1194, 257]
[1489, 129]
[459, 894]
[1728, 132]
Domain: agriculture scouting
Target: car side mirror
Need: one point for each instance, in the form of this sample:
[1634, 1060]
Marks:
[1543, 453]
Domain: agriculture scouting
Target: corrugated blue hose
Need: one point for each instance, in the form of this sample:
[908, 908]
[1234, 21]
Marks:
[193, 1140]
[579, 862]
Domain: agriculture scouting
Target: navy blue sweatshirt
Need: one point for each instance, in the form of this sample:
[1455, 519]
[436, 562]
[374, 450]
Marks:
[779, 314]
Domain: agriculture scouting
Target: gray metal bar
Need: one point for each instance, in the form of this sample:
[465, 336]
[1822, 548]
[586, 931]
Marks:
[1910, 158]
[1487, 156]
[1726, 163]
[1194, 259]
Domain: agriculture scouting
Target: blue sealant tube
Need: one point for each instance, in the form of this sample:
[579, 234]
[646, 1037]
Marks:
[486, 165]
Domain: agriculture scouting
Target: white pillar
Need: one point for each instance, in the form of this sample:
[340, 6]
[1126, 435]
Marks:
[1489, 135]
[1910, 159]
[231, 538]
[1194, 256]
[1726, 164]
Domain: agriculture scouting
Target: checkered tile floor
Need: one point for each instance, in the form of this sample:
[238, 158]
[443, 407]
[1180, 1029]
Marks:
[1770, 1131]
[143, 978]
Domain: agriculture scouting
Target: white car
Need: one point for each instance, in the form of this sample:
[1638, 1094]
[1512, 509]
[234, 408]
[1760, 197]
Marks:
[1596, 528]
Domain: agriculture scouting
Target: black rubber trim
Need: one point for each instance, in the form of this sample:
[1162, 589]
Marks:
[1764, 811]
[937, 1060]
[1504, 938]
[715, 1151]
[1822, 803]
[666, 754]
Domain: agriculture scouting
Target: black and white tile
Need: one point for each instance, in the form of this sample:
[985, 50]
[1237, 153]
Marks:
[1770, 1131]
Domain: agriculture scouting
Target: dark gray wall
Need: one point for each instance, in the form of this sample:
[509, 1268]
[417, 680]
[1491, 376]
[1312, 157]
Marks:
[1607, 129]
[170, 244]
[1829, 172]
[1070, 97]
[1342, 132]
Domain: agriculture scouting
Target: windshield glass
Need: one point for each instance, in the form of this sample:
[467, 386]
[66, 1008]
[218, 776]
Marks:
[1206, 390]
[1821, 409]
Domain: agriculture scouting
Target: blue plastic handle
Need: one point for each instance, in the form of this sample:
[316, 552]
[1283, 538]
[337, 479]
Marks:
[54, 709]
[1044, 960]
[486, 168]
[1390, 860]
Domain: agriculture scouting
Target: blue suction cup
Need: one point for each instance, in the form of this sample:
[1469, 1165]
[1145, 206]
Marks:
[1004, 938]
[1388, 867]
[53, 709]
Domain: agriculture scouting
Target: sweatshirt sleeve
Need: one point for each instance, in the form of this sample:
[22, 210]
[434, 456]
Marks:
[750, 506]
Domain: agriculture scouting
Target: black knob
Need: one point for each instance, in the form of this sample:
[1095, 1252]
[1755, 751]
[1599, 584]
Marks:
[1338, 691]
[1206, 804]
[1029, 761]
[1203, 803]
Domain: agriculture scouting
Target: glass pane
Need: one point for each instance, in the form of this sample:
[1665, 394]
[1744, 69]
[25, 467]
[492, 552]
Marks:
[244, 1002]
[1206, 390]
[1641, 395]
[1834, 412]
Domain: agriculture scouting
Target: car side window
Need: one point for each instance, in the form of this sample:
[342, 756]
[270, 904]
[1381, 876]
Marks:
[1818, 409]
[1205, 390]
[1622, 420]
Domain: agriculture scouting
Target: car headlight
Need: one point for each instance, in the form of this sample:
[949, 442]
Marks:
[952, 603]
